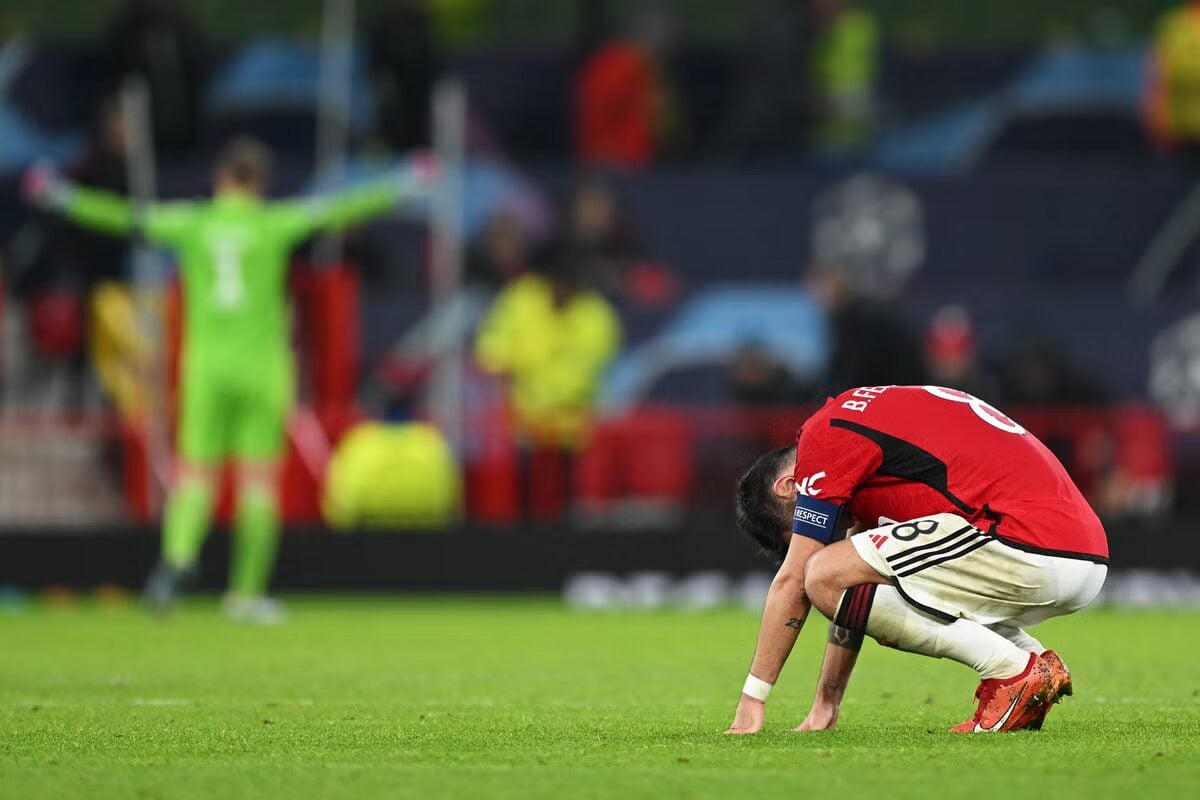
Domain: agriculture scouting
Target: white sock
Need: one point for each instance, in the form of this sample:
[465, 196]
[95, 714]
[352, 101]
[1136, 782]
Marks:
[892, 621]
[1019, 637]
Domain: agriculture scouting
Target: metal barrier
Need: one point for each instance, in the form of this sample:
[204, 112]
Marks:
[60, 470]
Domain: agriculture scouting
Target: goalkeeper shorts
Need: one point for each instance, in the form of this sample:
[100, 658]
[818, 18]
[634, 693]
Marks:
[234, 411]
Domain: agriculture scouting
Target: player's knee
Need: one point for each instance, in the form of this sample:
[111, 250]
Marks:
[255, 495]
[819, 583]
[196, 490]
[195, 477]
[258, 481]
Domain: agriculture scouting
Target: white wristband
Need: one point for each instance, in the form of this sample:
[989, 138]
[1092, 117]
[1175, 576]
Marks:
[757, 688]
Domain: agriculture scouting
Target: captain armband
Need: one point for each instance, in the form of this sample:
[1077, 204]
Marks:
[816, 519]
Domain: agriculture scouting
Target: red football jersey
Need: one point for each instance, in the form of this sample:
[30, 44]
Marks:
[895, 453]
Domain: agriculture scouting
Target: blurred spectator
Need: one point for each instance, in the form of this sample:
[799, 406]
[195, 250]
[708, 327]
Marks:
[756, 378]
[844, 73]
[951, 355]
[61, 273]
[155, 40]
[872, 343]
[810, 77]
[498, 255]
[553, 339]
[1119, 455]
[626, 109]
[102, 166]
[773, 101]
[599, 237]
[459, 24]
[403, 58]
[868, 239]
[1172, 107]
[1037, 372]
[116, 343]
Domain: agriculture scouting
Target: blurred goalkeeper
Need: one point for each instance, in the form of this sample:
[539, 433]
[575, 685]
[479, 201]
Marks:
[236, 376]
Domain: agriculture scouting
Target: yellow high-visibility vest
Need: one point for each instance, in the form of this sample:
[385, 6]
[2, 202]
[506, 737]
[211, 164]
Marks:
[554, 356]
[1177, 51]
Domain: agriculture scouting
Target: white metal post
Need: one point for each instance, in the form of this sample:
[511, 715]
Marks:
[333, 109]
[148, 280]
[446, 401]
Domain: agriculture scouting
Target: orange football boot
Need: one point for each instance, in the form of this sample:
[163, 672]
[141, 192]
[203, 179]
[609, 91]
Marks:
[1010, 704]
[1062, 687]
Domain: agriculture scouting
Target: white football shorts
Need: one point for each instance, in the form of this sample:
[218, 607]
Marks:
[948, 568]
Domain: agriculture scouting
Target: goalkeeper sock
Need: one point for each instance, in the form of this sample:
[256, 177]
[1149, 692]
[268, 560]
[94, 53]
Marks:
[256, 543]
[881, 613]
[185, 523]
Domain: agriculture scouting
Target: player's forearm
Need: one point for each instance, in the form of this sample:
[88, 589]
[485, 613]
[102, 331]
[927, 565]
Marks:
[784, 614]
[785, 610]
[357, 205]
[841, 654]
[95, 209]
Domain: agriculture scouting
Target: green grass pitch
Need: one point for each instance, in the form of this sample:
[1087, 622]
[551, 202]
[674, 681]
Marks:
[430, 698]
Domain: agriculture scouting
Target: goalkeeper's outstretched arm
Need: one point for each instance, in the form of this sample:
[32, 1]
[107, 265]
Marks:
[339, 210]
[91, 208]
[103, 211]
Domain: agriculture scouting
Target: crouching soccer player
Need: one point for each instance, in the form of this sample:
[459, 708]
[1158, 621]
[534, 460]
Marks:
[976, 533]
[236, 376]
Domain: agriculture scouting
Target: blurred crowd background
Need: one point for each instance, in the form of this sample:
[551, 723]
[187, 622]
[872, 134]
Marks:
[676, 226]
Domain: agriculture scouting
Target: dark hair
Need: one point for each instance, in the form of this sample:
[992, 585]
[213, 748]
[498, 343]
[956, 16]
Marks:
[559, 261]
[247, 161]
[761, 514]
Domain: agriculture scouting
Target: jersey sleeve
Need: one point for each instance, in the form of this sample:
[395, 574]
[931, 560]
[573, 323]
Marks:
[298, 219]
[164, 223]
[168, 223]
[99, 210]
[496, 341]
[831, 463]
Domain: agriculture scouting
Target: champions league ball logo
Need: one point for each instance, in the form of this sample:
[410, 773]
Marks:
[872, 230]
[1175, 371]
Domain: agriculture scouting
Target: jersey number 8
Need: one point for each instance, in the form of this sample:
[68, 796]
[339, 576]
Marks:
[982, 410]
[907, 531]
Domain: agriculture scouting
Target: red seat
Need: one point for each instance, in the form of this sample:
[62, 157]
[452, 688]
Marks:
[645, 455]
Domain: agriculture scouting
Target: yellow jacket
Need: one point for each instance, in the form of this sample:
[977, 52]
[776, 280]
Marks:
[555, 357]
[1174, 98]
[845, 67]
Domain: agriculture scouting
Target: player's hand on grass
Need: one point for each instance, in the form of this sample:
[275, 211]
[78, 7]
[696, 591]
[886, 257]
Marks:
[823, 717]
[749, 716]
